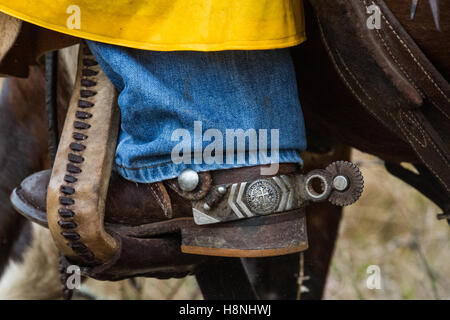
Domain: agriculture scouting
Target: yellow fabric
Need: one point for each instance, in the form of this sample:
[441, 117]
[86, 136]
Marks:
[166, 25]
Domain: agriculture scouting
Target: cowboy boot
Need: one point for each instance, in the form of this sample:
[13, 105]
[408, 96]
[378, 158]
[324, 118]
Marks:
[232, 213]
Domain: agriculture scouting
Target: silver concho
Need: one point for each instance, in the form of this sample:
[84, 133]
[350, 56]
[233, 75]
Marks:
[188, 180]
[262, 197]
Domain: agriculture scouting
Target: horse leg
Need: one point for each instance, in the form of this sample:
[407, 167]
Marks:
[323, 226]
[21, 151]
[278, 277]
[225, 279]
[274, 278]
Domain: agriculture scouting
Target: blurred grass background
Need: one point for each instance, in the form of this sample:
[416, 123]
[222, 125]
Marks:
[391, 226]
[395, 227]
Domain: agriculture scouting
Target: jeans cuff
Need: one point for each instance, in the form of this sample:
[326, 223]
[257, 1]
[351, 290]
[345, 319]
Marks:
[149, 174]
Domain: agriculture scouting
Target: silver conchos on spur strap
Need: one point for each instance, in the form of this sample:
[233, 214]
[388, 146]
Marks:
[341, 183]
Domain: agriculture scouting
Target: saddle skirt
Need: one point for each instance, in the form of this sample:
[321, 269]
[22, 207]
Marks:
[384, 94]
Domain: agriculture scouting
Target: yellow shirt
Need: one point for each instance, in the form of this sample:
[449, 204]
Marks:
[166, 25]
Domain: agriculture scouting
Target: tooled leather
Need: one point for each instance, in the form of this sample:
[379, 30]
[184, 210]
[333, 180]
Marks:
[213, 197]
[414, 133]
[395, 53]
[80, 175]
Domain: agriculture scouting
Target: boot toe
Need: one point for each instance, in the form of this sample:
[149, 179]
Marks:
[30, 198]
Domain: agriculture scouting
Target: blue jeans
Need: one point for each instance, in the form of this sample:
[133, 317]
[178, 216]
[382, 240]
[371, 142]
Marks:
[187, 109]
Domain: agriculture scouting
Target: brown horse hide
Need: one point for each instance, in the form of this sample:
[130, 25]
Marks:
[23, 149]
[384, 91]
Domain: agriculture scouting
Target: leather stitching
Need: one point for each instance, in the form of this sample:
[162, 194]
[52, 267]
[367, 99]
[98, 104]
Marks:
[423, 160]
[403, 43]
[352, 75]
[424, 143]
[406, 74]
[73, 237]
[402, 127]
[431, 141]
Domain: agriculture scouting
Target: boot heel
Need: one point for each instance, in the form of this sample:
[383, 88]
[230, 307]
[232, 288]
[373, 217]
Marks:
[263, 236]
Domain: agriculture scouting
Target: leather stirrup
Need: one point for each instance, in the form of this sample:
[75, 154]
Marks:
[80, 176]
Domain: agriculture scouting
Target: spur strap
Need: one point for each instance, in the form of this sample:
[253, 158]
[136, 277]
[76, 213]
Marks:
[230, 198]
[81, 171]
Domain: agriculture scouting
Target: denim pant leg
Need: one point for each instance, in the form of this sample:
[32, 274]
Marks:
[178, 108]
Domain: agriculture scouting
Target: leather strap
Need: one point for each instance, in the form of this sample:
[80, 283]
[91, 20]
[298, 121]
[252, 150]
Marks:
[80, 176]
[250, 173]
[341, 183]
[234, 175]
[425, 182]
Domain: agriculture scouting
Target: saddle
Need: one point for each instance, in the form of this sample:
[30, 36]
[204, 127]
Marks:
[383, 95]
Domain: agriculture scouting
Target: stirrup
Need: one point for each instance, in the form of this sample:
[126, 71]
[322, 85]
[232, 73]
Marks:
[80, 175]
[79, 181]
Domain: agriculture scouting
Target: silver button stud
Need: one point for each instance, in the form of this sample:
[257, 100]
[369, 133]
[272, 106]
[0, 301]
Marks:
[222, 190]
[340, 183]
[188, 180]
